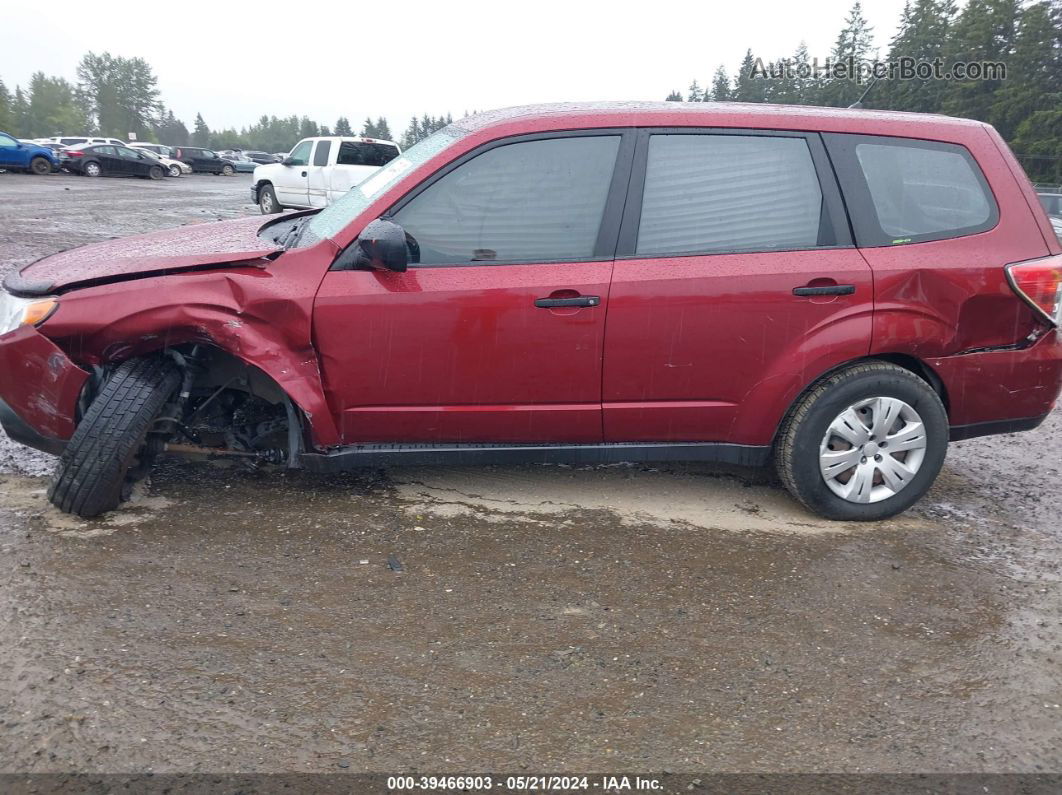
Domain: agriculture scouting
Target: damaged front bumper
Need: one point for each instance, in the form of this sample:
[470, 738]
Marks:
[39, 390]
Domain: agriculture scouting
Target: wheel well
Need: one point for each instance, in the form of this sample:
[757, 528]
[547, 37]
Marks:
[910, 363]
[919, 368]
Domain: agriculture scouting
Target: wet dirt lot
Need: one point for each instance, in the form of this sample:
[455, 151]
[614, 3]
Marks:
[678, 618]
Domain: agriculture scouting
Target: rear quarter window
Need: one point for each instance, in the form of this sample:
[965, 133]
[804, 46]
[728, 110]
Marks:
[908, 191]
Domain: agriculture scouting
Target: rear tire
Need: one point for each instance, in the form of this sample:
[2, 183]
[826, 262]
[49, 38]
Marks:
[807, 444]
[227, 171]
[92, 169]
[267, 200]
[156, 172]
[40, 166]
[92, 473]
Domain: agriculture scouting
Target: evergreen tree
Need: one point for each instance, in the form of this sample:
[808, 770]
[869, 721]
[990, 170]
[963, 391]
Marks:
[696, 94]
[343, 126]
[7, 116]
[201, 133]
[721, 90]
[746, 87]
[383, 129]
[412, 134]
[368, 129]
[307, 128]
[852, 48]
[923, 35]
[674, 96]
[20, 112]
[984, 31]
[1032, 83]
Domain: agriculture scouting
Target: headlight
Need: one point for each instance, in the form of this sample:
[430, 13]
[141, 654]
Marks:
[16, 312]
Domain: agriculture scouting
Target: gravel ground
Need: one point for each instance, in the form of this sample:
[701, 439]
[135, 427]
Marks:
[681, 618]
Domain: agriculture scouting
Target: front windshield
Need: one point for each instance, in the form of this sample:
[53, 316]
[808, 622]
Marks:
[333, 218]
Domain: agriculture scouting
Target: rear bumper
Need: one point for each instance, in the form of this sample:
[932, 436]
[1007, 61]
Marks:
[39, 390]
[991, 391]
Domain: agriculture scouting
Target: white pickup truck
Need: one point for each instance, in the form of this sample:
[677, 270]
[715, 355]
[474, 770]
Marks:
[318, 171]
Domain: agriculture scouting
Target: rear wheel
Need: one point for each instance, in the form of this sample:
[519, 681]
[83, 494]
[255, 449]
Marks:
[111, 447]
[267, 200]
[92, 169]
[227, 171]
[864, 444]
[40, 166]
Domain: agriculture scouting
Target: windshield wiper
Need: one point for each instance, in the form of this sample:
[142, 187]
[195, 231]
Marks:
[291, 237]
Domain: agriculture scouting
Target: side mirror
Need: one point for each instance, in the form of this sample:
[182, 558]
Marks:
[287, 161]
[382, 246]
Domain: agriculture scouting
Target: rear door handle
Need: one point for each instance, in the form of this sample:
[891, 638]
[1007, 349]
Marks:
[581, 300]
[833, 289]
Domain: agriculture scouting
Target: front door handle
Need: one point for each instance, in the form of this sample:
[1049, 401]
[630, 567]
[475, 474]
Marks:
[579, 300]
[832, 289]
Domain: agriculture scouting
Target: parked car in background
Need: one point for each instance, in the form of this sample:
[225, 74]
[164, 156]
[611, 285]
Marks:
[262, 158]
[318, 171]
[1052, 202]
[29, 157]
[204, 161]
[174, 168]
[453, 307]
[74, 140]
[106, 160]
[243, 164]
[159, 149]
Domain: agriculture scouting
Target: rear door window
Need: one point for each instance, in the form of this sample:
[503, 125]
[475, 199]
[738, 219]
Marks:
[711, 193]
[902, 190]
[320, 154]
[352, 153]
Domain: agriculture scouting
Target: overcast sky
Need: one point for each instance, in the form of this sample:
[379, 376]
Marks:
[233, 61]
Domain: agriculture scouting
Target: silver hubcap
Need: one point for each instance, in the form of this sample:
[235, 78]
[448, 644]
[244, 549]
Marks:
[93, 169]
[267, 202]
[872, 450]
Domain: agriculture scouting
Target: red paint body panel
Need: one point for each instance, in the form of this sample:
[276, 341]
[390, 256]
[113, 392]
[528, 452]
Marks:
[192, 246]
[461, 354]
[692, 342]
[40, 383]
[1003, 385]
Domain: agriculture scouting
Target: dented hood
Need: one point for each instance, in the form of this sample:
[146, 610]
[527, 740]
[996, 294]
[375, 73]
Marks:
[193, 247]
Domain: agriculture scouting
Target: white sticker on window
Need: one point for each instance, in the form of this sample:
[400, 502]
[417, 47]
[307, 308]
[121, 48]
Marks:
[393, 169]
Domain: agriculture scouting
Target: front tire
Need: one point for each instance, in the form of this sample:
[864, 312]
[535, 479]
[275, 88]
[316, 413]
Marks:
[267, 200]
[40, 166]
[864, 444]
[175, 171]
[112, 437]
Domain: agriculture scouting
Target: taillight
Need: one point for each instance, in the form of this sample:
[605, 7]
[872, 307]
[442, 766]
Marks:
[1039, 283]
[74, 153]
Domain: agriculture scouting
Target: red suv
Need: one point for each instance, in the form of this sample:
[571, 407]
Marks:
[842, 291]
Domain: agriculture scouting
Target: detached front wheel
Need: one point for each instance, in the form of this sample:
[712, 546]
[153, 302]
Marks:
[111, 448]
[864, 444]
